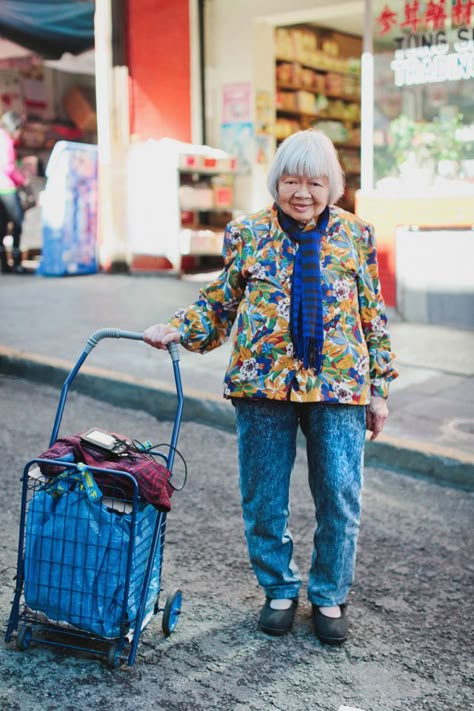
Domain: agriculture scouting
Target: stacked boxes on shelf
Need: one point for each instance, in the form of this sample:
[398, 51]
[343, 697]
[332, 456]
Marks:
[199, 162]
[314, 50]
[318, 85]
[79, 104]
[206, 196]
[305, 72]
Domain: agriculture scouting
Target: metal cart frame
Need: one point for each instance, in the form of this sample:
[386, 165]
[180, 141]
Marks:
[32, 625]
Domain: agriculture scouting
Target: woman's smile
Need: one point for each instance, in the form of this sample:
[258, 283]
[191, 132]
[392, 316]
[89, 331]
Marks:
[302, 198]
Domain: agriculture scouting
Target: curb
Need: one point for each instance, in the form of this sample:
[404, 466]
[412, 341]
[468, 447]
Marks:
[439, 464]
[151, 396]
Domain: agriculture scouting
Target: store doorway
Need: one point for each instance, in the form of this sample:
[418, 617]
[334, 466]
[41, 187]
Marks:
[57, 100]
[313, 80]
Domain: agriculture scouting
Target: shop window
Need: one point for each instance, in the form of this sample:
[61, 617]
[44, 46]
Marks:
[424, 84]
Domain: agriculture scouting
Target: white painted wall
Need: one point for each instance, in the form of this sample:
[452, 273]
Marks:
[434, 284]
[239, 48]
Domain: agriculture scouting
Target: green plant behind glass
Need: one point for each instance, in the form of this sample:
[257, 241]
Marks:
[424, 142]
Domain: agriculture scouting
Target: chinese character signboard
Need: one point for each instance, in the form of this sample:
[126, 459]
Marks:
[433, 41]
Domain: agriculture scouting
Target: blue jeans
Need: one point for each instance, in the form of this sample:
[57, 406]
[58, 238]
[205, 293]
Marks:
[335, 436]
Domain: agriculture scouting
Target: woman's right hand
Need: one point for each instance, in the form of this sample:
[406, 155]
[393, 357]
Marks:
[161, 335]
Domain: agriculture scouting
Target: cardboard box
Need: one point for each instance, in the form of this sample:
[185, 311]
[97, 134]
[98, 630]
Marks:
[190, 161]
[223, 195]
[79, 104]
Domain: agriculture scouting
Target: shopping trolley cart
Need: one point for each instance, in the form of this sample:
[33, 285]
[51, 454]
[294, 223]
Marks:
[90, 551]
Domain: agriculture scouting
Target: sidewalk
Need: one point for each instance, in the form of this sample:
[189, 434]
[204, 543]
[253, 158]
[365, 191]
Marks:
[46, 322]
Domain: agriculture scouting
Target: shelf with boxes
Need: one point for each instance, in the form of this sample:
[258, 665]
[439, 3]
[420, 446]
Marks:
[318, 49]
[298, 76]
[283, 86]
[344, 134]
[306, 94]
[317, 80]
[206, 196]
[40, 134]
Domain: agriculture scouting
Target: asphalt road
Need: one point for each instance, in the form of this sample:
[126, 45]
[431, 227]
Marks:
[411, 606]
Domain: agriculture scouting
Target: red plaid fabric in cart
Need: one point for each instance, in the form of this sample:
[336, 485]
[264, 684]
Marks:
[153, 478]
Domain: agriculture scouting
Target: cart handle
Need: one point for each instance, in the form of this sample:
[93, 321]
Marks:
[134, 336]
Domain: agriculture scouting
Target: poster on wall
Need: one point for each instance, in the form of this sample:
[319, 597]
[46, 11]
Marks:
[11, 98]
[263, 148]
[237, 139]
[264, 110]
[264, 127]
[236, 103]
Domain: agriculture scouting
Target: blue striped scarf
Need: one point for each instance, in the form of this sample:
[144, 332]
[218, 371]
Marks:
[306, 316]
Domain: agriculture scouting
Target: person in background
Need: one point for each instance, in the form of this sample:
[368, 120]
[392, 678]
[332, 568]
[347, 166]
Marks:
[11, 178]
[311, 350]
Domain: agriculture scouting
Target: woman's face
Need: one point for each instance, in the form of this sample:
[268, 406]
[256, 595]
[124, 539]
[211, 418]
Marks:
[303, 199]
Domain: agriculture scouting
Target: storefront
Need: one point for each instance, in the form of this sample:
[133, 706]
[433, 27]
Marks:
[57, 99]
[136, 85]
[421, 199]
[404, 133]
[47, 75]
[392, 84]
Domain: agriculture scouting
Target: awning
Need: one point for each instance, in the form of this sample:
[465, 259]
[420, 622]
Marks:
[48, 27]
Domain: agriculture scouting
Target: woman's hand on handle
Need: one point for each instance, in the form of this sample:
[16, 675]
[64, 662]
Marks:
[161, 335]
[377, 413]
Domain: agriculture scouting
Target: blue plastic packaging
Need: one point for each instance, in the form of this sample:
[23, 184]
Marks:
[69, 211]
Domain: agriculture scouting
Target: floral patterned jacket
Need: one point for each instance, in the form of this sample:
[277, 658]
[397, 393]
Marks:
[253, 292]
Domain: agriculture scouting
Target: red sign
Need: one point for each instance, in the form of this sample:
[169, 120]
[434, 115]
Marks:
[431, 15]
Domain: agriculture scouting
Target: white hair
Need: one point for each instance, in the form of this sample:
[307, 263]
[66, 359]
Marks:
[309, 153]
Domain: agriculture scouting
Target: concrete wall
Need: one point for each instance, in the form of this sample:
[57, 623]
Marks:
[435, 276]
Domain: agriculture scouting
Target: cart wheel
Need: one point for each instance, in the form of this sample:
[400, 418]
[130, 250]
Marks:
[113, 657]
[24, 636]
[172, 611]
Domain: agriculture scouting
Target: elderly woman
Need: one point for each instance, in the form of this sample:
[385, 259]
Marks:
[310, 350]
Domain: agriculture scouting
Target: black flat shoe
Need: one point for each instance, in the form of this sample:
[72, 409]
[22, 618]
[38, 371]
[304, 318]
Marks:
[277, 622]
[330, 630]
